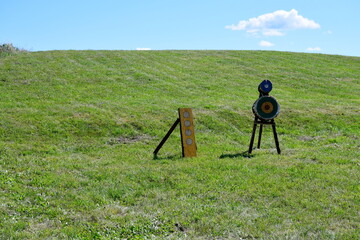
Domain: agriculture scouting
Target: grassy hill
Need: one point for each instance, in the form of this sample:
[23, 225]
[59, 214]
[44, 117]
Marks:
[78, 128]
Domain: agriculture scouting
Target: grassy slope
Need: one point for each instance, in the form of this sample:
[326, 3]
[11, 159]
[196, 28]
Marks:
[77, 131]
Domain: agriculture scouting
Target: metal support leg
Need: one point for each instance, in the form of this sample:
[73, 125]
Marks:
[166, 136]
[252, 137]
[260, 133]
[276, 138]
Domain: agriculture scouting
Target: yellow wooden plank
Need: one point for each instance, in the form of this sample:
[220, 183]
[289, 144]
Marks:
[187, 131]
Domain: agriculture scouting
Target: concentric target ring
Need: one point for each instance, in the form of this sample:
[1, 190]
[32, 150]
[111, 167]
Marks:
[266, 108]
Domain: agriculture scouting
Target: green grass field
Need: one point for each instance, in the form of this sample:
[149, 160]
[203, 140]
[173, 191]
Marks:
[78, 128]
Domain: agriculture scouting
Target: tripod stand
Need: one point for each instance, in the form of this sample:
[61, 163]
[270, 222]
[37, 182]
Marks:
[263, 122]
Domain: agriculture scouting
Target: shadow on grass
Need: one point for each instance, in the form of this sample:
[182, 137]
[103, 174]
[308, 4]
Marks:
[236, 155]
[171, 157]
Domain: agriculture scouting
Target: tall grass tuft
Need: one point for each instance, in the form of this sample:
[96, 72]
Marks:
[9, 49]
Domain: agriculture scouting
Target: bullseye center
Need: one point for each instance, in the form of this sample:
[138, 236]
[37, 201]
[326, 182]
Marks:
[267, 107]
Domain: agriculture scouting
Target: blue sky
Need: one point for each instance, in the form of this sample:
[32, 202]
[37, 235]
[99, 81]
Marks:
[319, 26]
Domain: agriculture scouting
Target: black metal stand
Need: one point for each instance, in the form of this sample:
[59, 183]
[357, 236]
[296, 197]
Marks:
[166, 136]
[263, 122]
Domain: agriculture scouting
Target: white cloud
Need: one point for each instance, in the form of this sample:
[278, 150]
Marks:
[313, 49]
[272, 32]
[274, 24]
[143, 49]
[266, 44]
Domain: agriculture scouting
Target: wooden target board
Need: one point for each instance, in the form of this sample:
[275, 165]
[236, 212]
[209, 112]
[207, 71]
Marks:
[187, 132]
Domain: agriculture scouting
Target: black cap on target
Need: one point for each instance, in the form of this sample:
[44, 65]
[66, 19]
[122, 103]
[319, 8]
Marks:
[265, 87]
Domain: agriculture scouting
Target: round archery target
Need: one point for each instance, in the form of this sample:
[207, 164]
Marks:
[265, 86]
[266, 108]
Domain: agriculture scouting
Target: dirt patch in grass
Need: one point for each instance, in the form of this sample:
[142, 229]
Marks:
[130, 139]
[309, 138]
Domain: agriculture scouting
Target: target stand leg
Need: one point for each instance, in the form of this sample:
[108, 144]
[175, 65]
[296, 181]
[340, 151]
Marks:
[252, 136]
[262, 123]
[276, 137]
[260, 133]
[166, 137]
